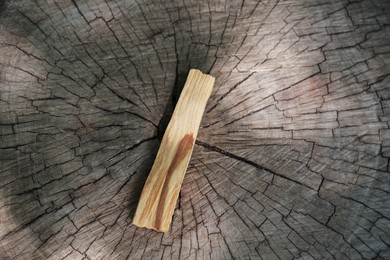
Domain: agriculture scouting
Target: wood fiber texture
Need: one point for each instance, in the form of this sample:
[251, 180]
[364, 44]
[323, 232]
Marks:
[292, 155]
[161, 191]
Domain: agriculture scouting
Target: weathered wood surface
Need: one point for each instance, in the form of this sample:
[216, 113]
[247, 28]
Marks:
[292, 158]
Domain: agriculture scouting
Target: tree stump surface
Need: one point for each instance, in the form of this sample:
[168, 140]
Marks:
[292, 156]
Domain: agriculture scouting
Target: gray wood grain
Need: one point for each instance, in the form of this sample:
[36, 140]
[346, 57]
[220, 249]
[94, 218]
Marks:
[291, 161]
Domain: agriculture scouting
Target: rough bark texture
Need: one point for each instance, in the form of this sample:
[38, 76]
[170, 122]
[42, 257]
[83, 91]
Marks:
[292, 158]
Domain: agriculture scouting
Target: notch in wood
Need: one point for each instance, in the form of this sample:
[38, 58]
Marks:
[159, 195]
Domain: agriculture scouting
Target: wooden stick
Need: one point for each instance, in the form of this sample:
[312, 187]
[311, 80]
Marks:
[161, 190]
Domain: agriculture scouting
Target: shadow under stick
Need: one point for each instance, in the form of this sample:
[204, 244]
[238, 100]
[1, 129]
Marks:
[159, 195]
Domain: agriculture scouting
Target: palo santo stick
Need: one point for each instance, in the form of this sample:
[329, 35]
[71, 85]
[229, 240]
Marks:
[159, 195]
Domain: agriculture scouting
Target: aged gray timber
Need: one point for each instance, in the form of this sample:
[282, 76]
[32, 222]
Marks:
[292, 158]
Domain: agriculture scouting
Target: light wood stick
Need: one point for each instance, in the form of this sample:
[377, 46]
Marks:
[159, 195]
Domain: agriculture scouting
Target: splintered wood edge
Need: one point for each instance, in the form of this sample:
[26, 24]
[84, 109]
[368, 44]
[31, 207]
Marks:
[160, 193]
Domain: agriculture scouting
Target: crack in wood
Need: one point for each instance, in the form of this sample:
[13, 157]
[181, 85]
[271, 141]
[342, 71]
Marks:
[294, 154]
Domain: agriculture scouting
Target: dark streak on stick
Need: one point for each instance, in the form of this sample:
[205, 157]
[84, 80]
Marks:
[185, 146]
